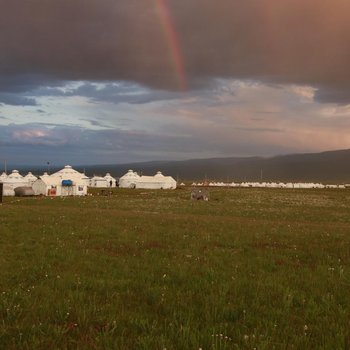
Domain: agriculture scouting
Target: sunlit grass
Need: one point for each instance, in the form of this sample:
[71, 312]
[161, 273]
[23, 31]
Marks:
[251, 268]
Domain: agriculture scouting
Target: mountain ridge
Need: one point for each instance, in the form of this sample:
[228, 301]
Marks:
[327, 166]
[332, 166]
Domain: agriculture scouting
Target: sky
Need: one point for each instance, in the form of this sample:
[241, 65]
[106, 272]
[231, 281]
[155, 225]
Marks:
[116, 81]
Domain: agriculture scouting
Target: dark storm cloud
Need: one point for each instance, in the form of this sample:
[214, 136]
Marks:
[336, 94]
[24, 144]
[302, 42]
[38, 134]
[22, 82]
[21, 143]
[94, 141]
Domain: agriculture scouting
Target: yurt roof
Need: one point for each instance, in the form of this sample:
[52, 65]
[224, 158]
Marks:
[30, 176]
[48, 180]
[68, 172]
[15, 175]
[130, 175]
[98, 178]
[159, 175]
[109, 177]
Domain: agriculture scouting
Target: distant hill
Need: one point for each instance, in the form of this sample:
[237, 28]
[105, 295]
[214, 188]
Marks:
[332, 166]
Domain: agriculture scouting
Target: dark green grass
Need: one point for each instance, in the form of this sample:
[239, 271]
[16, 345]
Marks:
[264, 269]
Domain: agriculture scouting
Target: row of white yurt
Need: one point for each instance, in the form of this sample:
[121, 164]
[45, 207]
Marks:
[68, 181]
[12, 181]
[132, 180]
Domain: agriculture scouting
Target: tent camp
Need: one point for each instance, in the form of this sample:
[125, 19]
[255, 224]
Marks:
[66, 182]
[158, 181]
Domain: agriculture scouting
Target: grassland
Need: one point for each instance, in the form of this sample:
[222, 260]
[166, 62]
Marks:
[250, 269]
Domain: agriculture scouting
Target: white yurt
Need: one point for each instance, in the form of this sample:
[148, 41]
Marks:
[46, 186]
[111, 181]
[3, 177]
[129, 180]
[158, 181]
[14, 180]
[66, 182]
[30, 178]
[99, 182]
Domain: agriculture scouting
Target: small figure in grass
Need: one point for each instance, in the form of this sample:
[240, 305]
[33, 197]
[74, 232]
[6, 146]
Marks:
[200, 194]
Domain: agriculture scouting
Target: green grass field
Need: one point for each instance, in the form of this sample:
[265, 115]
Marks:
[250, 269]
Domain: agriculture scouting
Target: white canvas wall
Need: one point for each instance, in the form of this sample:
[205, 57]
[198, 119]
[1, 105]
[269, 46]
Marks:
[159, 181]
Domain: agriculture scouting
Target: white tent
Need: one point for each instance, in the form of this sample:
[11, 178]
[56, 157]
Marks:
[112, 182]
[98, 181]
[30, 178]
[46, 186]
[3, 177]
[66, 182]
[158, 181]
[129, 180]
[12, 181]
[86, 180]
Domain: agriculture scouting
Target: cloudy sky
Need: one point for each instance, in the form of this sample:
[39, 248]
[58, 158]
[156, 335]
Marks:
[114, 81]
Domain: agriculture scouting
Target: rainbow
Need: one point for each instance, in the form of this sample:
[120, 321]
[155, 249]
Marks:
[173, 41]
